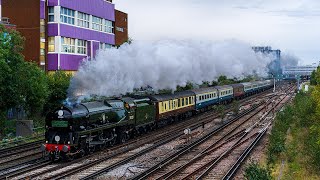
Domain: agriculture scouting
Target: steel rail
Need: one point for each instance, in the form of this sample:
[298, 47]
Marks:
[231, 172]
[151, 170]
[167, 160]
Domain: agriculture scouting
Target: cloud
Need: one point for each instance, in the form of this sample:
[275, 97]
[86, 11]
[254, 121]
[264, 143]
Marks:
[284, 24]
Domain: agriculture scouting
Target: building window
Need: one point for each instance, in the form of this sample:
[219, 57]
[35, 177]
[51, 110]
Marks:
[82, 47]
[83, 19]
[68, 45]
[108, 27]
[120, 29]
[51, 44]
[96, 23]
[42, 42]
[104, 45]
[51, 14]
[67, 15]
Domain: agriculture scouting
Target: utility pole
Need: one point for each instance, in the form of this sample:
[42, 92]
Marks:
[274, 85]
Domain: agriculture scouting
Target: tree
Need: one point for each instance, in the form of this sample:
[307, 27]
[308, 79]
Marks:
[5, 72]
[313, 80]
[248, 78]
[223, 80]
[214, 83]
[188, 86]
[205, 84]
[22, 83]
[58, 84]
[32, 87]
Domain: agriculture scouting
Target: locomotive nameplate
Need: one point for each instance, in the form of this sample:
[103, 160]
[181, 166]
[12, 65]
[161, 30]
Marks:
[59, 123]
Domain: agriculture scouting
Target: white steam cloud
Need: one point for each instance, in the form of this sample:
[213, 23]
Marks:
[289, 60]
[165, 64]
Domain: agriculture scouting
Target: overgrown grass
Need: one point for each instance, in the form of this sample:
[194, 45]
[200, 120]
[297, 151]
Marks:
[253, 171]
[294, 140]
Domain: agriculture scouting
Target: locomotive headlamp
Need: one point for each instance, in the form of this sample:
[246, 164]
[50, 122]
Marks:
[46, 142]
[57, 138]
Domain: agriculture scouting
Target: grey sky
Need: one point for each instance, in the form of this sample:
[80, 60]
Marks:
[292, 26]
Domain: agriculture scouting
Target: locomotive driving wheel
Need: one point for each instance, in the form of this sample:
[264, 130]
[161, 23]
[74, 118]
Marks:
[112, 138]
[124, 137]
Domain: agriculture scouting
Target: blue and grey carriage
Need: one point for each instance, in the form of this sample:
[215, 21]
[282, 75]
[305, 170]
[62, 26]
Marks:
[206, 97]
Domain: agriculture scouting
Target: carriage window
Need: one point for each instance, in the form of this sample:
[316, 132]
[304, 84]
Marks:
[169, 104]
[190, 100]
[162, 106]
[182, 101]
[187, 102]
[172, 104]
[165, 106]
[178, 102]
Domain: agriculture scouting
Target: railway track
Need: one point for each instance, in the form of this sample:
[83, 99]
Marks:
[45, 167]
[20, 148]
[127, 146]
[9, 157]
[195, 163]
[236, 166]
[128, 159]
[165, 169]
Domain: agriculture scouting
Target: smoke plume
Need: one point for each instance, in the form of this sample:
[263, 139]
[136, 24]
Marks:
[164, 64]
[289, 60]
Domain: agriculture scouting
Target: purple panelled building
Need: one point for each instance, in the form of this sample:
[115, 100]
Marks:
[69, 30]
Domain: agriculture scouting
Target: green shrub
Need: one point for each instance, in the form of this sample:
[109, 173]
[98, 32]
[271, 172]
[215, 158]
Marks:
[254, 172]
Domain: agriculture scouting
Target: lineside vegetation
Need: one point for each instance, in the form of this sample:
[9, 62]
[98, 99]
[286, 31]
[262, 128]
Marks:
[293, 151]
